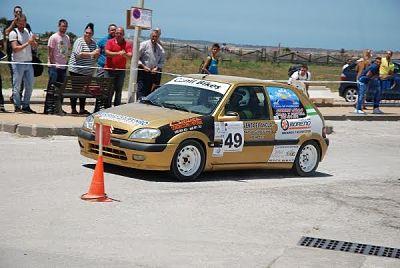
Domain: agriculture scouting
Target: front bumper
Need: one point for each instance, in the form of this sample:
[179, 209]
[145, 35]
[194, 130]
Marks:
[126, 153]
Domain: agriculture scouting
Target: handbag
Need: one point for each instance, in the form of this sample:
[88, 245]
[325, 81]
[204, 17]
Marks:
[37, 68]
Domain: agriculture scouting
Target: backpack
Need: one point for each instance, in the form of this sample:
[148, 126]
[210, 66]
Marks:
[293, 69]
[37, 68]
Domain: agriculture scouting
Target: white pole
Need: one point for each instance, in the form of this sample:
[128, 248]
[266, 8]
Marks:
[132, 89]
[101, 140]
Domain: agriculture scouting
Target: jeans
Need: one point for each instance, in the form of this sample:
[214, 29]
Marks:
[144, 83]
[362, 88]
[376, 83]
[56, 76]
[118, 83]
[22, 72]
[1, 93]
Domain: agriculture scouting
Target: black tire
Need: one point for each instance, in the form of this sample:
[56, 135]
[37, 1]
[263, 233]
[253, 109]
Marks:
[181, 167]
[351, 94]
[307, 159]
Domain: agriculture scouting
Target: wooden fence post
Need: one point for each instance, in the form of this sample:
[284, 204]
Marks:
[275, 56]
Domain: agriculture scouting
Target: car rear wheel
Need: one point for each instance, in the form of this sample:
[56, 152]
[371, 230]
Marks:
[188, 161]
[307, 159]
[350, 94]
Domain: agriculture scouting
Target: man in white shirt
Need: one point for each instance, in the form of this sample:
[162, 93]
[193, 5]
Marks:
[301, 75]
[151, 61]
[22, 41]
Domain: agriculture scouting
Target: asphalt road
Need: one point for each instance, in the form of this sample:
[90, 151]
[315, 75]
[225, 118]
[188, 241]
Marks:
[229, 219]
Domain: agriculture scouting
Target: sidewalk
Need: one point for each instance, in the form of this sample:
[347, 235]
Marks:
[42, 125]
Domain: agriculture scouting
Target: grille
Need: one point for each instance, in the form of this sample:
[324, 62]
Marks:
[109, 152]
[352, 247]
[119, 131]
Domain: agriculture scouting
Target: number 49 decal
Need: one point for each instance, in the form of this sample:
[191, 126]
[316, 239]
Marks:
[236, 142]
[233, 137]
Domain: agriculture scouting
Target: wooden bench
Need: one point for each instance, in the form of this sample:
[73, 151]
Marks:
[78, 87]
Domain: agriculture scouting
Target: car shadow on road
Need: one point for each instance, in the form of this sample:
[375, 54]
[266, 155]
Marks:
[231, 175]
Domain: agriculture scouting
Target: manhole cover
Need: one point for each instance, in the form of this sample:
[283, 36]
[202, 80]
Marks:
[344, 246]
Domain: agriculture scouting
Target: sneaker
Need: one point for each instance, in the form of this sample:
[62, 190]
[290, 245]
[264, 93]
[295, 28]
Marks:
[17, 110]
[377, 111]
[2, 110]
[359, 111]
[74, 111]
[28, 110]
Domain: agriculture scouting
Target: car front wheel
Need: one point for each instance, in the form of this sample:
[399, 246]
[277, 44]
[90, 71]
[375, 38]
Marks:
[307, 159]
[188, 161]
[350, 94]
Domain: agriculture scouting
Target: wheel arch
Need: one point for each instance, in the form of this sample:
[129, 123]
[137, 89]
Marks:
[201, 138]
[322, 147]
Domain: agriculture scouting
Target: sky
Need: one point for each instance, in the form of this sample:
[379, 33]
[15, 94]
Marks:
[335, 24]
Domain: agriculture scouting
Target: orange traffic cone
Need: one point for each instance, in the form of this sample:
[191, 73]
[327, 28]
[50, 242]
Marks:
[96, 190]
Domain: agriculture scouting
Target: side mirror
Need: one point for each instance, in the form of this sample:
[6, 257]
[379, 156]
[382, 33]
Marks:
[229, 116]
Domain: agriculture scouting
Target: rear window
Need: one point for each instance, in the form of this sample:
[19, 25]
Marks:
[285, 103]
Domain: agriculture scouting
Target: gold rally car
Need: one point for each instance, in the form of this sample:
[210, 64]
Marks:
[199, 122]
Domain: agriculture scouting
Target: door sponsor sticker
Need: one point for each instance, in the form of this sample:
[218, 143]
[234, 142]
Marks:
[284, 153]
[296, 126]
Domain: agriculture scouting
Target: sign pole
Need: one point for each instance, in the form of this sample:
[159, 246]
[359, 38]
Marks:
[101, 141]
[132, 89]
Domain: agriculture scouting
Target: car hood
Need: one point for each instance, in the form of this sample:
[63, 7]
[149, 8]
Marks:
[132, 116]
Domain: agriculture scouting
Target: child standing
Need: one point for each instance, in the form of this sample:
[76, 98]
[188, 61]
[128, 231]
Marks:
[210, 65]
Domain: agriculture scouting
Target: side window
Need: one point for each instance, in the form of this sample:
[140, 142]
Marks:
[285, 103]
[249, 103]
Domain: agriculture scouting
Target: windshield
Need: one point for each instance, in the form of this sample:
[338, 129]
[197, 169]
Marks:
[185, 98]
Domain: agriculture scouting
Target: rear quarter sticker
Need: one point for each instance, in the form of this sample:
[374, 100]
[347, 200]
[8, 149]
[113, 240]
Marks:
[284, 153]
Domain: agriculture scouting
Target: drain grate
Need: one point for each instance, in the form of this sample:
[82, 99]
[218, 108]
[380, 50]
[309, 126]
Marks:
[344, 246]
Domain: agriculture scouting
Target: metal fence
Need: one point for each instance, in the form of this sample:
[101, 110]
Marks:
[191, 51]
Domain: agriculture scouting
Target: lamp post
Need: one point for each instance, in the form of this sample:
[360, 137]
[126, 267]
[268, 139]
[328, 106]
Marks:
[132, 89]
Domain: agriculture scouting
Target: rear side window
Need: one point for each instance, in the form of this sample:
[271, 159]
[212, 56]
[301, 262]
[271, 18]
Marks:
[285, 103]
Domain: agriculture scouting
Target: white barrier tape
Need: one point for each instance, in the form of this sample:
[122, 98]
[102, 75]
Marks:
[171, 74]
[80, 66]
[313, 82]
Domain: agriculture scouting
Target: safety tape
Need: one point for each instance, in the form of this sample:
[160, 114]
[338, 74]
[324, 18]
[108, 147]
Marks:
[79, 66]
[166, 73]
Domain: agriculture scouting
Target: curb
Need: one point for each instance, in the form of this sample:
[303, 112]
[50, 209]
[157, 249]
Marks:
[35, 130]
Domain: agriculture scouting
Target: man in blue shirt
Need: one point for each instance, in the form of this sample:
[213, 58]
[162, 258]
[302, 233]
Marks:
[101, 61]
[369, 73]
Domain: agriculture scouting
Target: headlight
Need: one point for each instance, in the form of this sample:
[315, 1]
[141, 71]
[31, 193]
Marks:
[145, 133]
[89, 122]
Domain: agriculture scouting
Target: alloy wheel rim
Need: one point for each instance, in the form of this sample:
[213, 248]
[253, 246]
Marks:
[351, 95]
[308, 158]
[188, 160]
